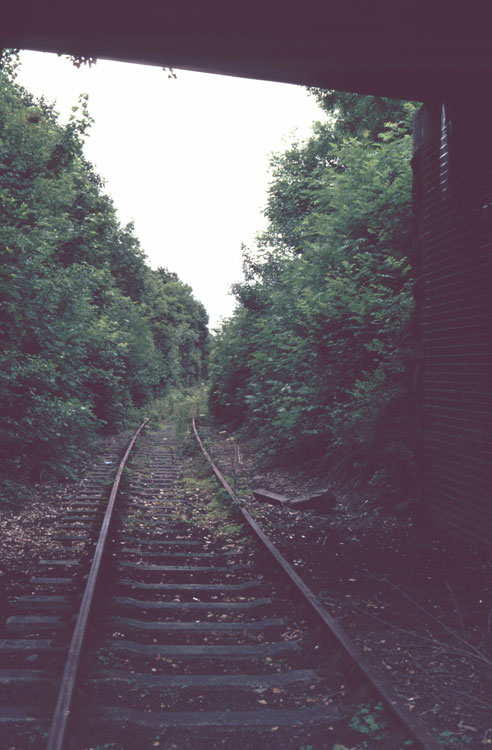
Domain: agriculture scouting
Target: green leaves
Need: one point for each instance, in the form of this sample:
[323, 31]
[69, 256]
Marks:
[88, 332]
[316, 358]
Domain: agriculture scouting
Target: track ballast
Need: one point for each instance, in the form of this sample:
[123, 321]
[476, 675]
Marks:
[195, 639]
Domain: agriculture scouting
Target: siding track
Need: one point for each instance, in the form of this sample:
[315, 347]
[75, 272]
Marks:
[195, 641]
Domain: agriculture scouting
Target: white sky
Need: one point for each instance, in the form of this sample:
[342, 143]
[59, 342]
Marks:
[185, 159]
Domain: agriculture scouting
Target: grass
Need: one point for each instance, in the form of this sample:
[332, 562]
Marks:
[219, 513]
[180, 405]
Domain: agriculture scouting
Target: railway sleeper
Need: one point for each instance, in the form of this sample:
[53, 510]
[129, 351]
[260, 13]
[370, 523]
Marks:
[187, 591]
[190, 610]
[155, 554]
[206, 729]
[201, 658]
[130, 682]
[185, 573]
[249, 694]
[220, 633]
[136, 527]
[172, 544]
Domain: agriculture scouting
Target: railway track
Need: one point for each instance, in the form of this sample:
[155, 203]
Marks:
[196, 638]
[35, 637]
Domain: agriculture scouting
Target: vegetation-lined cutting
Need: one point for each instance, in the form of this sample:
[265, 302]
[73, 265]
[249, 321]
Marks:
[194, 643]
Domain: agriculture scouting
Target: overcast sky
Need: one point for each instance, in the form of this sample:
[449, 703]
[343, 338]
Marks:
[185, 159]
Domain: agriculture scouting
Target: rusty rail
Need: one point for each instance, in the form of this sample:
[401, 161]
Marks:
[61, 716]
[331, 627]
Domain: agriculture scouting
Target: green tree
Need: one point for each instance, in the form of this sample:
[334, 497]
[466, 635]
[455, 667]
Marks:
[87, 330]
[179, 325]
[316, 358]
[355, 114]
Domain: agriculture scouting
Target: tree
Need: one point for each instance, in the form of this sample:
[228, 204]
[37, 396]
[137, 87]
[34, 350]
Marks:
[316, 358]
[179, 325]
[353, 114]
[88, 332]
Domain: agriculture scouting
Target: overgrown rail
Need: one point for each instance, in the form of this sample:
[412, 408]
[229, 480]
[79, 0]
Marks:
[195, 640]
[332, 630]
[61, 715]
[51, 608]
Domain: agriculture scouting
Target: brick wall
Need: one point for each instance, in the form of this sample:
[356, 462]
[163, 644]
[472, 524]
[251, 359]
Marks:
[453, 203]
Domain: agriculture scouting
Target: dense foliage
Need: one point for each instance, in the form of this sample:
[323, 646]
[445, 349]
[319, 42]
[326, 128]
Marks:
[316, 359]
[88, 331]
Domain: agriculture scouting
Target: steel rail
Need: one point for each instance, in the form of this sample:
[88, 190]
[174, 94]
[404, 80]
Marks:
[61, 716]
[331, 627]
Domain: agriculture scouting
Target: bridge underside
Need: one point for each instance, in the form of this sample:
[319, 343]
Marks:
[412, 50]
[431, 52]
